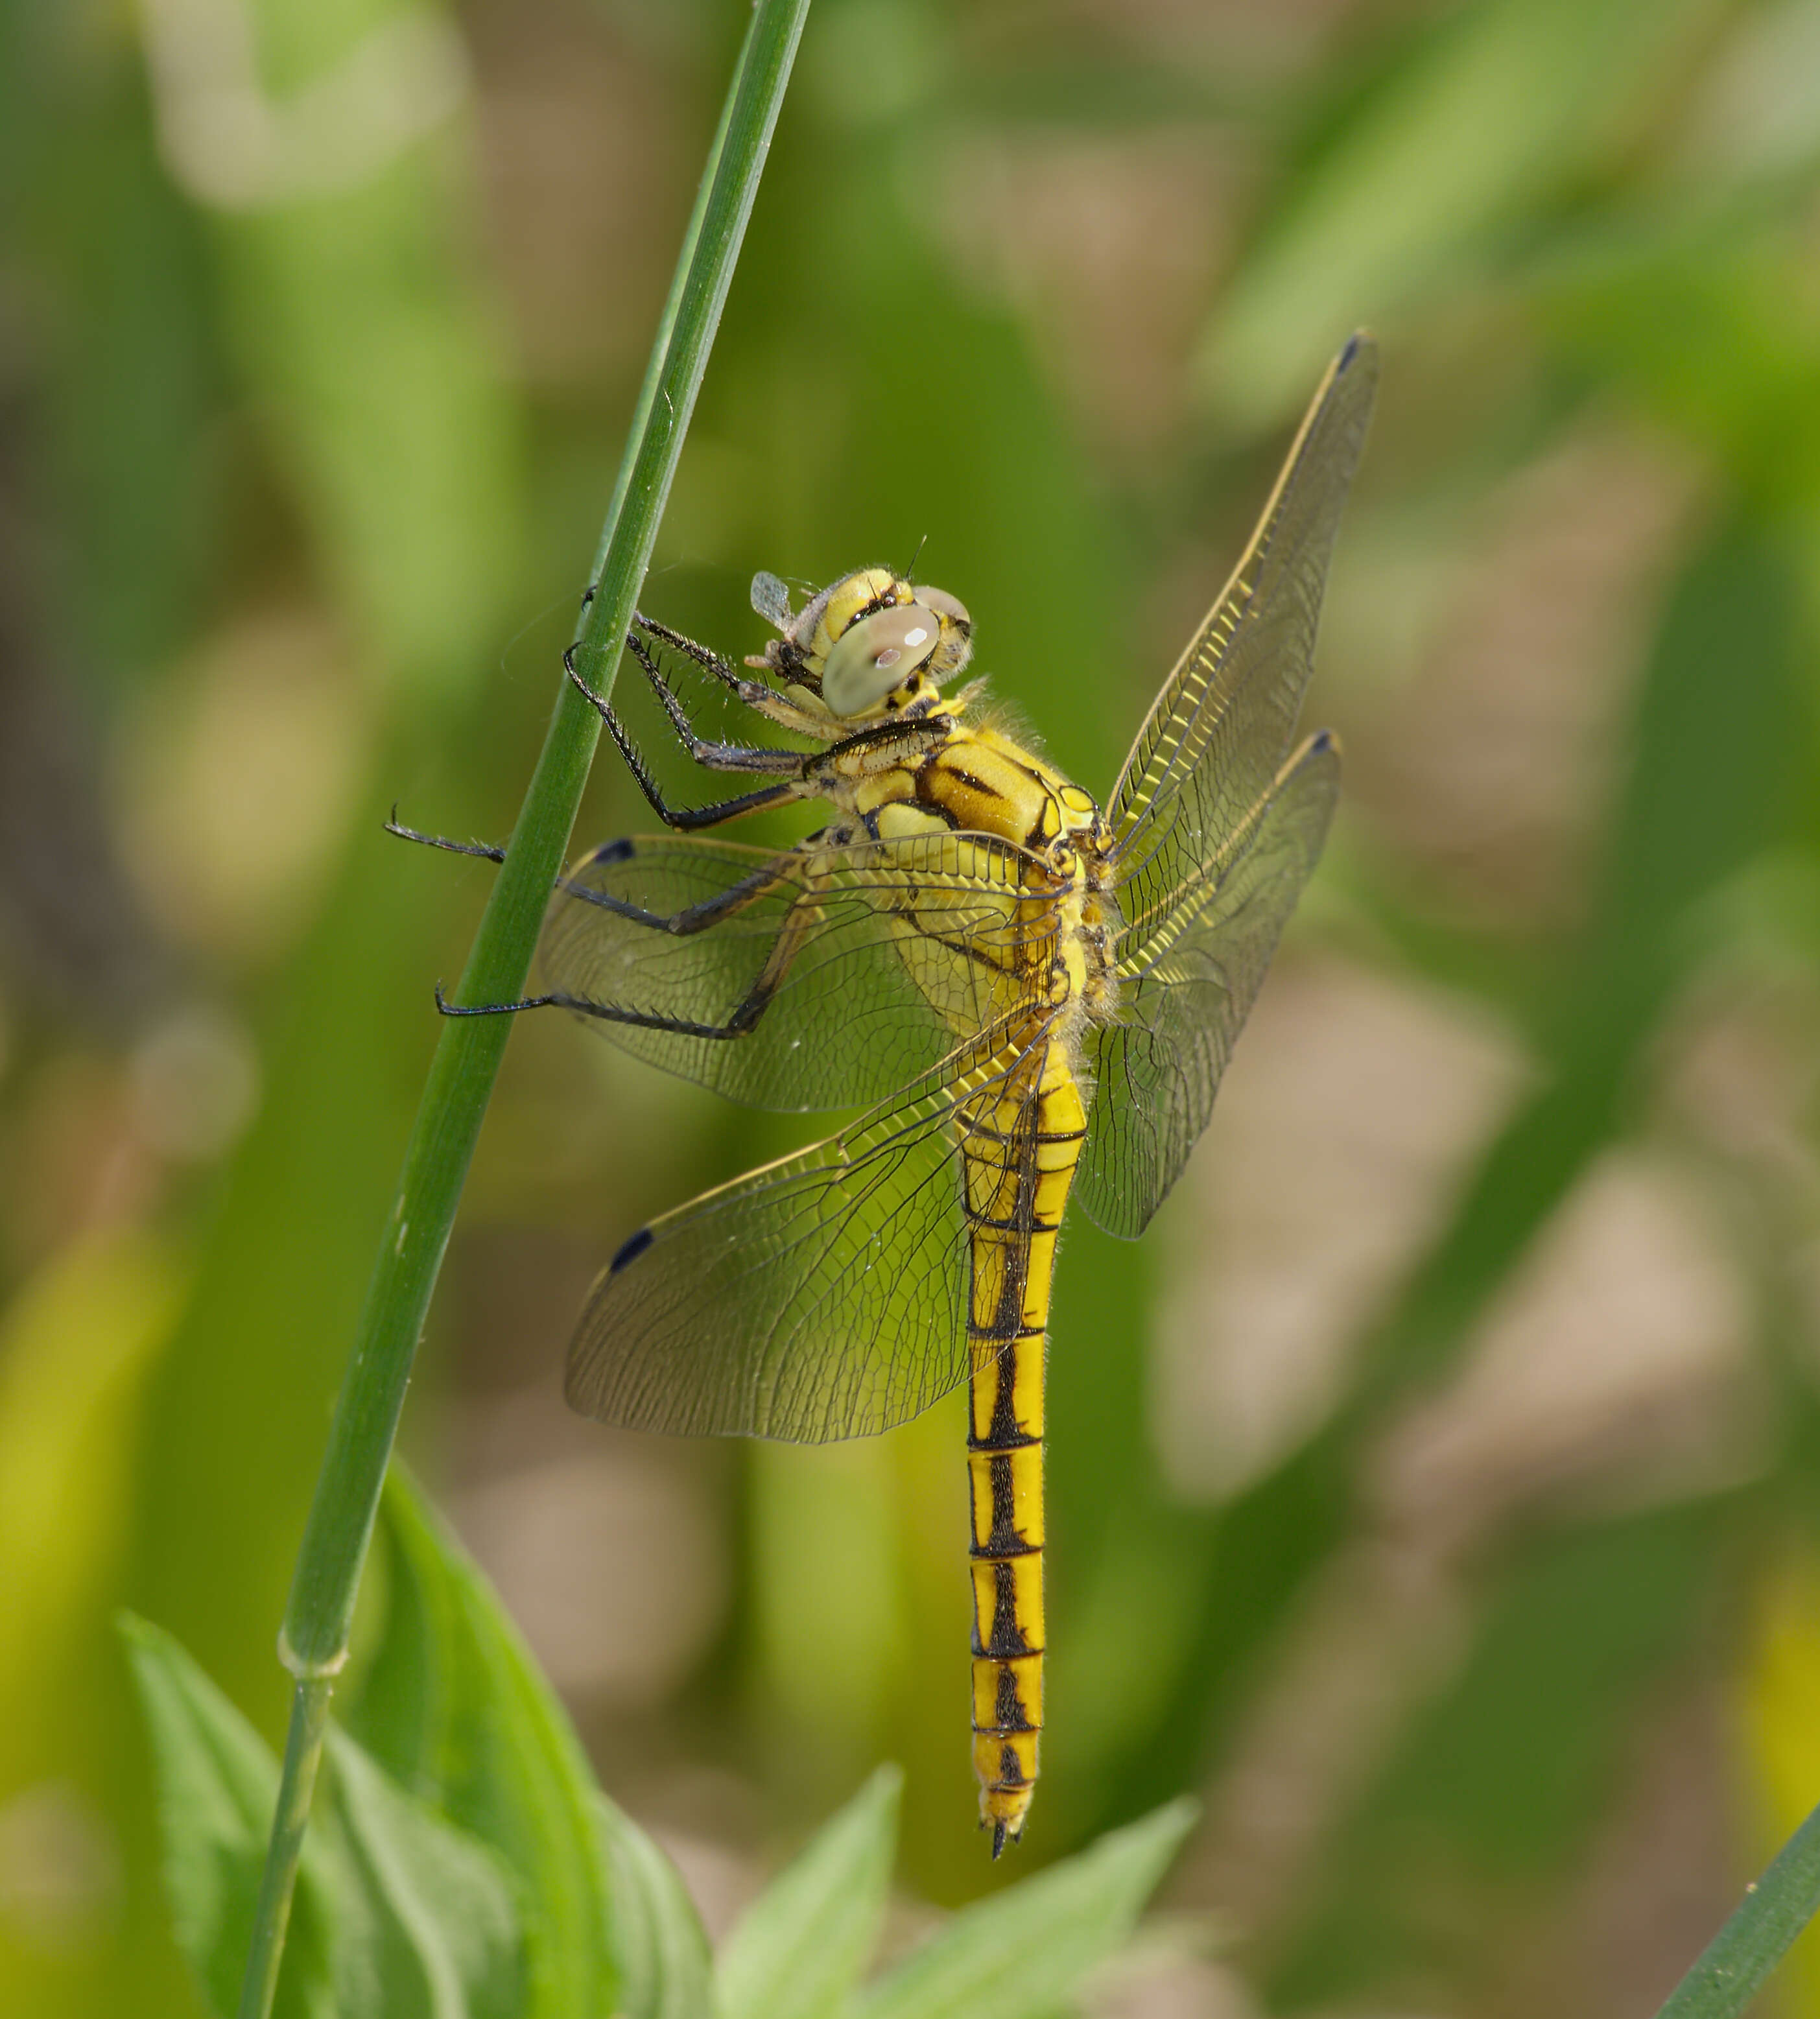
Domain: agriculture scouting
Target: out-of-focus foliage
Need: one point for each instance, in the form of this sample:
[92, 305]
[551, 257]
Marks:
[467, 1867]
[1432, 1492]
[394, 1905]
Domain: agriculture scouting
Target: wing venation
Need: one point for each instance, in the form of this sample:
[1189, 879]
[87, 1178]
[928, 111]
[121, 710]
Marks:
[1187, 995]
[1215, 826]
[818, 977]
[1221, 727]
[823, 1296]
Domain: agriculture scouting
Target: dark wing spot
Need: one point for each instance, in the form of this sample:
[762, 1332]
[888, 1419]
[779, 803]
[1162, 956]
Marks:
[611, 851]
[630, 1252]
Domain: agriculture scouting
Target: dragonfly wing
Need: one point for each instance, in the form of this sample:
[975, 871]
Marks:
[820, 976]
[1223, 723]
[823, 1296]
[1184, 998]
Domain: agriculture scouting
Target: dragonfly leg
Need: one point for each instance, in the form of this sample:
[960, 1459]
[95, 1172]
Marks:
[449, 1009]
[736, 1026]
[683, 819]
[931, 731]
[607, 1012]
[807, 774]
[724, 670]
[692, 918]
[711, 756]
[757, 695]
[800, 918]
[760, 696]
[480, 848]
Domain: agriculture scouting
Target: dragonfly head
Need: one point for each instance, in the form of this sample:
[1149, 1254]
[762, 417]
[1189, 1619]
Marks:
[867, 646]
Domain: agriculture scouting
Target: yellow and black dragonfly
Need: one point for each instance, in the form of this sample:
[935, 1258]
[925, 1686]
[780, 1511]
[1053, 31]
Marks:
[1027, 996]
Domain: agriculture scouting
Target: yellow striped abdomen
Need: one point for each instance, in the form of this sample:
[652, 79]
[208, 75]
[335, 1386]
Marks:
[1020, 1156]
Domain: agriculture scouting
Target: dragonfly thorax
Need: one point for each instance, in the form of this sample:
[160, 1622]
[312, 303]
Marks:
[868, 646]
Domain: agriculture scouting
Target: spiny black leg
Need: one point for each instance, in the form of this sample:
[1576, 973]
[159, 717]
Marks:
[627, 749]
[737, 1026]
[750, 692]
[684, 819]
[688, 819]
[710, 757]
[784, 872]
[435, 841]
[931, 729]
[692, 918]
[449, 1009]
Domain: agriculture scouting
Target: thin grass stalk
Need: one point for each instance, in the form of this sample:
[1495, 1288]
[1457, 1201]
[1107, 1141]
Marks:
[1733, 1966]
[314, 1642]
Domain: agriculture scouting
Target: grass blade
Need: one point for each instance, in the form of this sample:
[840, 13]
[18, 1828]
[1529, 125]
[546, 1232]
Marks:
[1733, 1965]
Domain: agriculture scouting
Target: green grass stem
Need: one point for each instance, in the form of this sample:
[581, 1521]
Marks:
[316, 1621]
[1733, 1965]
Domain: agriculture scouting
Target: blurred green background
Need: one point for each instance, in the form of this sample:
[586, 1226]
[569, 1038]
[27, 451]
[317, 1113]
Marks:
[1434, 1491]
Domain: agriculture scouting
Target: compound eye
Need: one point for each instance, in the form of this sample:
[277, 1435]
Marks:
[950, 607]
[879, 653]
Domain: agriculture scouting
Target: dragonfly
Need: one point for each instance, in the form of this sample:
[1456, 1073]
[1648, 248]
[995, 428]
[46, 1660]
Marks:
[1027, 997]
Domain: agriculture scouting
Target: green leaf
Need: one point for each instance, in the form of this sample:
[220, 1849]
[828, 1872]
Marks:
[658, 1938]
[1023, 1953]
[455, 1708]
[1711, 787]
[1775, 1910]
[396, 1911]
[800, 1949]
[438, 1919]
[217, 1782]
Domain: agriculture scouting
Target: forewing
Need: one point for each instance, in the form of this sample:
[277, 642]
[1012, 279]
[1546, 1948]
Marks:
[823, 1296]
[1185, 997]
[816, 977]
[1223, 723]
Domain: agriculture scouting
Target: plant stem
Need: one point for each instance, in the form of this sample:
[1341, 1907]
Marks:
[1773, 1911]
[313, 1643]
[272, 1915]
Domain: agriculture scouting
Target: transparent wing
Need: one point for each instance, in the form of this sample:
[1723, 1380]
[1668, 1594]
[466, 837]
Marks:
[1184, 999]
[771, 598]
[1222, 724]
[818, 977]
[823, 1296]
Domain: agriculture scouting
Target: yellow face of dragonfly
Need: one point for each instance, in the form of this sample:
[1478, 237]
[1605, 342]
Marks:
[869, 647]
[1031, 1001]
